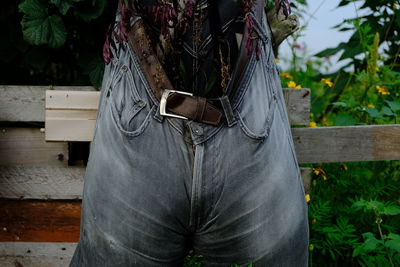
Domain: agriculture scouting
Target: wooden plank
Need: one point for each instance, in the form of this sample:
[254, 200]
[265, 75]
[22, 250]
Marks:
[71, 116]
[75, 100]
[68, 129]
[347, 143]
[306, 177]
[41, 182]
[298, 104]
[27, 146]
[26, 103]
[40, 221]
[36, 254]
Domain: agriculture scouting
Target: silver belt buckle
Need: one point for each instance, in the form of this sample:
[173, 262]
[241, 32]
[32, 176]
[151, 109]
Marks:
[163, 103]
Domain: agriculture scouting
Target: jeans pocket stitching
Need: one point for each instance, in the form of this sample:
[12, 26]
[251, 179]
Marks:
[137, 107]
[268, 122]
[139, 130]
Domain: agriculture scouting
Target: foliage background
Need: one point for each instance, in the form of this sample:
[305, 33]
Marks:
[53, 42]
[354, 208]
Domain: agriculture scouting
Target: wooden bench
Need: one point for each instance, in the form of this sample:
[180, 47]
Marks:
[45, 137]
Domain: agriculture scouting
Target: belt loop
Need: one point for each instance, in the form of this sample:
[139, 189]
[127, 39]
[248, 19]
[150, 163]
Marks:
[157, 116]
[226, 105]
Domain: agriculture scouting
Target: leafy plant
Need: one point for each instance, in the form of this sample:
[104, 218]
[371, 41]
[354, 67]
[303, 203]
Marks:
[384, 250]
[54, 41]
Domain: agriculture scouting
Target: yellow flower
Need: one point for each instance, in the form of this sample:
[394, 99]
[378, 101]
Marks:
[314, 221]
[317, 171]
[292, 84]
[377, 68]
[276, 61]
[327, 81]
[286, 75]
[312, 124]
[321, 172]
[311, 247]
[371, 105]
[308, 198]
[382, 90]
[325, 121]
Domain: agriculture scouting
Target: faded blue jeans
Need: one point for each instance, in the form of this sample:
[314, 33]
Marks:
[158, 186]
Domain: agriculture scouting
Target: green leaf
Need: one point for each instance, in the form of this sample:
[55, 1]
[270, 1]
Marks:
[387, 111]
[357, 251]
[96, 73]
[359, 204]
[33, 8]
[343, 118]
[331, 51]
[351, 101]
[393, 244]
[339, 104]
[393, 236]
[57, 33]
[352, 50]
[368, 235]
[391, 210]
[63, 5]
[394, 105]
[344, 2]
[40, 28]
[373, 112]
[370, 243]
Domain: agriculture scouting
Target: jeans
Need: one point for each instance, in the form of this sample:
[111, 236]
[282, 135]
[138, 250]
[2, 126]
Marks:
[158, 186]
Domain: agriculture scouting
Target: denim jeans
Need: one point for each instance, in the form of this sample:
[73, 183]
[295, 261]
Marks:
[158, 186]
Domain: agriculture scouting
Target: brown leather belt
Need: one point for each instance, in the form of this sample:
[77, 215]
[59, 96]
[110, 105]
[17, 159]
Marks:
[183, 104]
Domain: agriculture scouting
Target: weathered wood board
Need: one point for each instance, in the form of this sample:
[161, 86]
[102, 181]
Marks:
[36, 254]
[27, 146]
[41, 182]
[39, 221]
[347, 143]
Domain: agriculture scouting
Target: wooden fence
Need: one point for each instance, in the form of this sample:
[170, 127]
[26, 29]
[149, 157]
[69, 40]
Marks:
[44, 147]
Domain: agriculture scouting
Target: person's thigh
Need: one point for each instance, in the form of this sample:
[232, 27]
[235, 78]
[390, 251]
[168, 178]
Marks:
[135, 203]
[257, 210]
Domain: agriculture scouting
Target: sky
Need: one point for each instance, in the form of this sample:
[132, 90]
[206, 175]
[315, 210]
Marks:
[319, 34]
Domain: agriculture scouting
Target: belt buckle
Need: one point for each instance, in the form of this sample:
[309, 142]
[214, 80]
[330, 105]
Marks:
[163, 103]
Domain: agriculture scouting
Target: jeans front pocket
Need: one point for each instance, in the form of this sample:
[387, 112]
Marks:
[257, 122]
[130, 112]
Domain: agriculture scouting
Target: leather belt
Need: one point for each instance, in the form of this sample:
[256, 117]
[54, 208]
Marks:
[183, 104]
